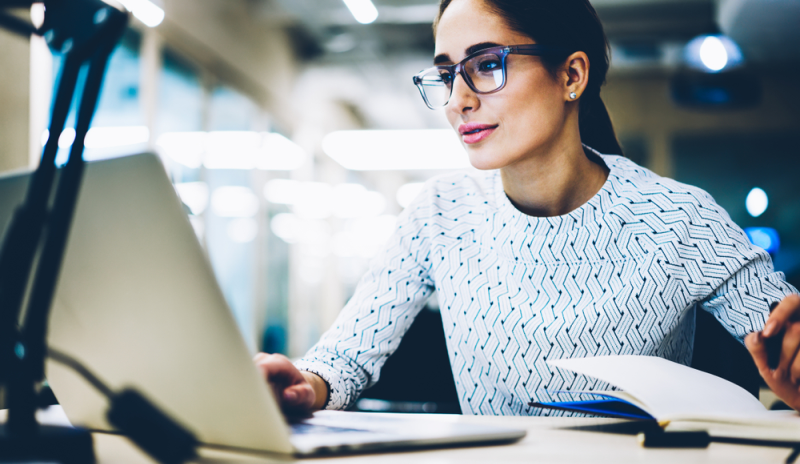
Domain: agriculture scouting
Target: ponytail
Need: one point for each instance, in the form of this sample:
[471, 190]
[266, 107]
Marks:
[596, 128]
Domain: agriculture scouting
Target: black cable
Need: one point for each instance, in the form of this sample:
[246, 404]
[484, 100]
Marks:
[792, 457]
[138, 418]
[67, 360]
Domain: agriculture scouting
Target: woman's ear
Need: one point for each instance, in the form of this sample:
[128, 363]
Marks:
[576, 75]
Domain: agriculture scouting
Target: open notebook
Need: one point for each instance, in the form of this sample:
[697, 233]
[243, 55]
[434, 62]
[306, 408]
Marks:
[678, 397]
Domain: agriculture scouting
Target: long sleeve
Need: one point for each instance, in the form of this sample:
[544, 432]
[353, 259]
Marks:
[349, 356]
[741, 302]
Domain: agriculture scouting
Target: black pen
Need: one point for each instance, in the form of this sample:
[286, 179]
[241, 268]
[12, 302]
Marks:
[660, 439]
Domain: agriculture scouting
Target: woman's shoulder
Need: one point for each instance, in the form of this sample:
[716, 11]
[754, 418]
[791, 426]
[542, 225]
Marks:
[638, 183]
[665, 203]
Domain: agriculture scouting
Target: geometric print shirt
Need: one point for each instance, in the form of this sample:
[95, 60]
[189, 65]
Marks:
[622, 274]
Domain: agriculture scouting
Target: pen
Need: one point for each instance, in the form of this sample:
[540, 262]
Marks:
[698, 439]
[659, 439]
[774, 344]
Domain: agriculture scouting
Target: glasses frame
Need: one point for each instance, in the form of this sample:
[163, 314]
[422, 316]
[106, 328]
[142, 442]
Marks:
[501, 50]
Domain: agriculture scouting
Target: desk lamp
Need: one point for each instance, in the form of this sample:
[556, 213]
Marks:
[86, 32]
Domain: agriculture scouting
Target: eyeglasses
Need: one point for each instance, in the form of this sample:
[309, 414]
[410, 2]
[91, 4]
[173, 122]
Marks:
[484, 72]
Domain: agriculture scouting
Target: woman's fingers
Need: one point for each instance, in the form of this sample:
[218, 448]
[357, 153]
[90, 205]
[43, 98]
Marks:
[786, 310]
[754, 342]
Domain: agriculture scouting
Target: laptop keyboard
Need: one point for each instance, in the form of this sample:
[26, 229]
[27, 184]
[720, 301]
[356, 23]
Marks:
[306, 429]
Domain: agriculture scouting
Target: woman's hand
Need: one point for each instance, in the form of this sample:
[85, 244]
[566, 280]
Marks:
[785, 379]
[295, 390]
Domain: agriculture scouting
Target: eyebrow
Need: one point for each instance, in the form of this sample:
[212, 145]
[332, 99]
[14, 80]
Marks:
[444, 57]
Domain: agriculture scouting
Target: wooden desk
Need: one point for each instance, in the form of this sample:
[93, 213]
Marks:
[549, 440]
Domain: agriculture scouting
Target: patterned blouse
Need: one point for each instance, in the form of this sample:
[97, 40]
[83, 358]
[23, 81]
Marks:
[621, 274]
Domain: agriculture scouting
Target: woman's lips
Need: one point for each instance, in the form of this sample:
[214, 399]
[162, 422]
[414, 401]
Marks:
[475, 132]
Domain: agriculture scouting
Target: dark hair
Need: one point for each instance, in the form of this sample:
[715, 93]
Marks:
[572, 24]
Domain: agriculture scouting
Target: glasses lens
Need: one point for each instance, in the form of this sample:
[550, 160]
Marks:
[485, 72]
[435, 85]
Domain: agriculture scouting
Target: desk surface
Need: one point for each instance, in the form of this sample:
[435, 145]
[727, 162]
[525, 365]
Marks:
[549, 440]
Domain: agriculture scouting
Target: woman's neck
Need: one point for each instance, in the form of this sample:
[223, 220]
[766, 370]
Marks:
[554, 183]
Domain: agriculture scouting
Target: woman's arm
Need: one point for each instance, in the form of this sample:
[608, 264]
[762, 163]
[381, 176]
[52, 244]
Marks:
[350, 355]
[743, 285]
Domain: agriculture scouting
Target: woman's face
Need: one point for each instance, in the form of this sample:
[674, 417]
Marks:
[523, 119]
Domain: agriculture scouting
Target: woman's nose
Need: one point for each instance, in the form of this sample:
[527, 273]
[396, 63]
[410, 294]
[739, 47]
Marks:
[463, 98]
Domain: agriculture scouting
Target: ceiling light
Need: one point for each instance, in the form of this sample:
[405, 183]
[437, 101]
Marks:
[713, 53]
[66, 138]
[232, 150]
[279, 153]
[145, 11]
[376, 150]
[103, 137]
[108, 137]
[363, 10]
[234, 202]
[186, 148]
[320, 200]
[756, 202]
[37, 14]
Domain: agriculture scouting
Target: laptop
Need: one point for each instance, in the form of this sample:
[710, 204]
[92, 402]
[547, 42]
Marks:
[138, 304]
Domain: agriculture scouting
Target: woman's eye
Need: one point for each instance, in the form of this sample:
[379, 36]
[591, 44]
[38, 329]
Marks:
[446, 78]
[489, 66]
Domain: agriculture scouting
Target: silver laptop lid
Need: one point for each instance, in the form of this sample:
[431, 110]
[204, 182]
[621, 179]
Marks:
[138, 304]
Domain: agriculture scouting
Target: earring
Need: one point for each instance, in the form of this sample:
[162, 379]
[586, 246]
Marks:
[573, 95]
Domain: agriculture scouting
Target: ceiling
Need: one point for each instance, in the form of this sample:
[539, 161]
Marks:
[405, 25]
[642, 28]
[364, 70]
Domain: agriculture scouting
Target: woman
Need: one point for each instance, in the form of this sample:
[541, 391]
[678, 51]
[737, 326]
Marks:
[553, 250]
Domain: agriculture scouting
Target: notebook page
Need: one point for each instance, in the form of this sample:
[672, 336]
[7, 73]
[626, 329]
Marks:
[668, 389]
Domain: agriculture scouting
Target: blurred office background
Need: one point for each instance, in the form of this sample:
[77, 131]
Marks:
[294, 135]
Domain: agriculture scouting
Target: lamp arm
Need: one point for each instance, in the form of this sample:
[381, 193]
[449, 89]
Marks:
[13, 24]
